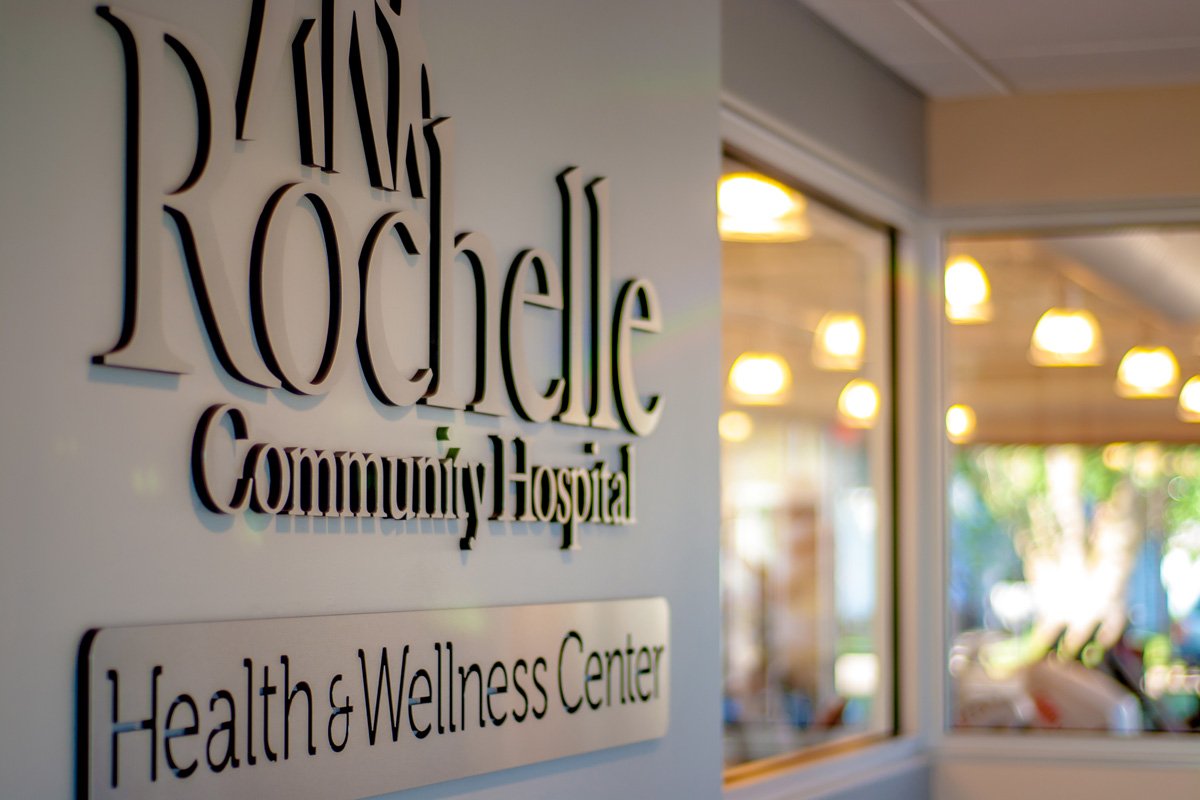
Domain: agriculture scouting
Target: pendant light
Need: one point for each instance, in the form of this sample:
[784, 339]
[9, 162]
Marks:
[735, 426]
[968, 293]
[839, 342]
[760, 378]
[1148, 372]
[1066, 337]
[858, 404]
[960, 423]
[754, 208]
[1188, 409]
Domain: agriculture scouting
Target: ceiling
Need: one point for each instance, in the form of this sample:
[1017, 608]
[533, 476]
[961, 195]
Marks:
[987, 365]
[775, 294]
[968, 48]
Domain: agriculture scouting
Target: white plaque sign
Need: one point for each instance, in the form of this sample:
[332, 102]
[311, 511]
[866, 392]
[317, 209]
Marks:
[346, 707]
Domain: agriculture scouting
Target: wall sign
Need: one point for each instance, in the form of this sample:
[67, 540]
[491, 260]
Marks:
[346, 707]
[356, 77]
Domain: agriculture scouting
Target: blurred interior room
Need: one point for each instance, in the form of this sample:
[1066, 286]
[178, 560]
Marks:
[961, 293]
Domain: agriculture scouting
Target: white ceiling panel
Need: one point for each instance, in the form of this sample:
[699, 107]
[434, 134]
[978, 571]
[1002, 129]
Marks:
[952, 78]
[1016, 27]
[959, 48]
[1107, 70]
[876, 25]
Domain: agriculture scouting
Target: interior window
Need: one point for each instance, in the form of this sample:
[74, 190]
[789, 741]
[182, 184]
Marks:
[1074, 480]
[806, 460]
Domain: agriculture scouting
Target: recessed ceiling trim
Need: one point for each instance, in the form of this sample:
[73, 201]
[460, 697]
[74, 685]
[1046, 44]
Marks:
[954, 45]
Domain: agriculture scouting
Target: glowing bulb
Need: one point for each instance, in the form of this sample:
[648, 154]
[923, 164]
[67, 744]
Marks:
[858, 404]
[840, 340]
[735, 426]
[1066, 337]
[968, 294]
[752, 195]
[1148, 372]
[1117, 456]
[856, 675]
[1189, 400]
[760, 376]
[966, 283]
[960, 423]
[754, 208]
[844, 337]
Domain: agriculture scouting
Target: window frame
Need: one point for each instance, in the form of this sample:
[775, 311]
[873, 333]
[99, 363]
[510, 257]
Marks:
[951, 744]
[757, 142]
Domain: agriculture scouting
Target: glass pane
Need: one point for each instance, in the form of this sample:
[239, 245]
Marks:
[806, 471]
[1074, 485]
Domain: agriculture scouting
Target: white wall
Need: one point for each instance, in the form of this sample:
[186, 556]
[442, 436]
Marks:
[101, 526]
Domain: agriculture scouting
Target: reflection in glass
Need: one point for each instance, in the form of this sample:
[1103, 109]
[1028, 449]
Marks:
[839, 341]
[760, 377]
[960, 423]
[1148, 372]
[1066, 337]
[858, 404]
[968, 294]
[1074, 508]
[806, 480]
[754, 208]
[1189, 400]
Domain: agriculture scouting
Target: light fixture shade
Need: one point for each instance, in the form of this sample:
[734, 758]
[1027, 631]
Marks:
[968, 293]
[1066, 337]
[839, 341]
[960, 423]
[754, 208]
[760, 378]
[1188, 409]
[858, 404]
[735, 426]
[1148, 372]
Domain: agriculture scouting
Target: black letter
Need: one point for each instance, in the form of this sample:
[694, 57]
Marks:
[266, 691]
[421, 674]
[230, 758]
[590, 676]
[148, 724]
[541, 689]
[492, 690]
[393, 704]
[571, 709]
[174, 733]
[463, 675]
[521, 690]
[289, 694]
[251, 759]
[342, 710]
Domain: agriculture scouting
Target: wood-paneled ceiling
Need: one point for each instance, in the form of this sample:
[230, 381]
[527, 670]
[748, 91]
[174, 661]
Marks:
[1142, 285]
[1015, 401]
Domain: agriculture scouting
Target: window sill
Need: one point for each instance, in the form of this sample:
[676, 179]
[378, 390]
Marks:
[827, 768]
[1144, 749]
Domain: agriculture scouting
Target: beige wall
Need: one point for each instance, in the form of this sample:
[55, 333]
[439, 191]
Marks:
[1086, 147]
[1001, 779]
